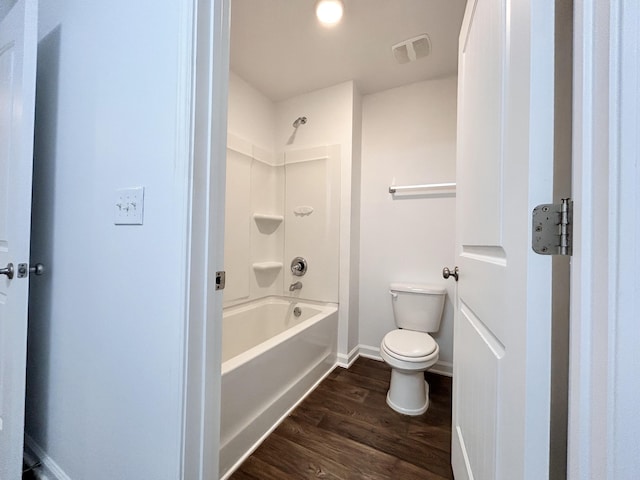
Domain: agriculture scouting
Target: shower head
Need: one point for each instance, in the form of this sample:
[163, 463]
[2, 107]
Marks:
[299, 121]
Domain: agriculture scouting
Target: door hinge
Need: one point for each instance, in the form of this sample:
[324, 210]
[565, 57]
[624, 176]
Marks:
[220, 280]
[552, 228]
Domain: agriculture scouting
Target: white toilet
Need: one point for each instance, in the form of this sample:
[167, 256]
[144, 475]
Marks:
[410, 350]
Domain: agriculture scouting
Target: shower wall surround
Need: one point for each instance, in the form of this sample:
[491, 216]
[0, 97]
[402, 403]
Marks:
[254, 233]
[333, 119]
[277, 210]
[312, 179]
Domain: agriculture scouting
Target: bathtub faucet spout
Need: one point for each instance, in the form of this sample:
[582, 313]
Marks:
[295, 286]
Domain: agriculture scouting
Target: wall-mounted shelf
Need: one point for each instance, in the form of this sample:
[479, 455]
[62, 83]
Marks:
[267, 266]
[426, 188]
[263, 217]
[267, 223]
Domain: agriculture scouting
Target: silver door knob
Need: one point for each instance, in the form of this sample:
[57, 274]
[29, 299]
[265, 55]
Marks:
[446, 273]
[37, 269]
[7, 271]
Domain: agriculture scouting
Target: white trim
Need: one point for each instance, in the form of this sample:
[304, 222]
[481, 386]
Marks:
[372, 353]
[586, 406]
[442, 368]
[49, 470]
[345, 361]
[183, 161]
[578, 461]
[603, 386]
[624, 388]
[206, 96]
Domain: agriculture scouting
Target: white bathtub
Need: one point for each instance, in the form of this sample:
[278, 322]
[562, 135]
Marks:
[270, 360]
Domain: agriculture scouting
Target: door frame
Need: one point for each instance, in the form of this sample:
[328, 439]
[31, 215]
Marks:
[203, 93]
[604, 143]
[606, 259]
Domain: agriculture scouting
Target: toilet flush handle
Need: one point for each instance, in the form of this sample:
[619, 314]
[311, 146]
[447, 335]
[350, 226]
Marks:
[394, 295]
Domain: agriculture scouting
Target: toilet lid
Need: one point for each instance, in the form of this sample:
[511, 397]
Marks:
[409, 343]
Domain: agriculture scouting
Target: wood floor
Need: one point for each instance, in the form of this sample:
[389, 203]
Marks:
[345, 430]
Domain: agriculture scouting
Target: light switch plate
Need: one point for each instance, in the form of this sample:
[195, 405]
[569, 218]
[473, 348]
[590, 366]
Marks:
[129, 206]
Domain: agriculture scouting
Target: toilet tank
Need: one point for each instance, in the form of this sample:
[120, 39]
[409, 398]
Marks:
[417, 307]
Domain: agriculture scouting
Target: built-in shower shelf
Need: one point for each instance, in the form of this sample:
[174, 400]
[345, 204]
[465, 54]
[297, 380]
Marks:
[267, 266]
[266, 218]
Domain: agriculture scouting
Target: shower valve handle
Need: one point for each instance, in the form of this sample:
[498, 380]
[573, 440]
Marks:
[298, 266]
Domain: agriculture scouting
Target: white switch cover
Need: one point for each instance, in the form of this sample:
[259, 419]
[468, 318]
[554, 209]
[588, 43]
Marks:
[129, 206]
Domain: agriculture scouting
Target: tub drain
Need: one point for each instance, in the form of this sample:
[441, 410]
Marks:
[297, 312]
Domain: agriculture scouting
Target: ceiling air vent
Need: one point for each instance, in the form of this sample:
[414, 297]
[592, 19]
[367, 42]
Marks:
[412, 49]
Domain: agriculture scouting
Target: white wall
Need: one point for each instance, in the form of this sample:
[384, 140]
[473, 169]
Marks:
[5, 7]
[330, 114]
[408, 138]
[237, 228]
[106, 332]
[251, 115]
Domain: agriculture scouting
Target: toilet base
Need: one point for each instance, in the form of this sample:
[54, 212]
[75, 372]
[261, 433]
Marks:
[408, 392]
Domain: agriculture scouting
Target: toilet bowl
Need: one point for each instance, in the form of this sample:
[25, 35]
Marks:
[410, 350]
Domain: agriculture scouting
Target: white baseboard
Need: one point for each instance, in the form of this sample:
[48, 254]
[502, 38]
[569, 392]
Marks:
[345, 361]
[373, 353]
[441, 368]
[48, 470]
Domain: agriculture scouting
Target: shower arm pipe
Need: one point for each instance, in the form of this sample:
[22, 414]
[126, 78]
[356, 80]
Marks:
[428, 186]
[299, 121]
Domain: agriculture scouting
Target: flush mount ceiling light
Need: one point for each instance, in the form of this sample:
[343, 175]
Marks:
[329, 12]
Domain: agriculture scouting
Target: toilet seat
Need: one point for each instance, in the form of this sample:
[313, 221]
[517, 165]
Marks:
[409, 345]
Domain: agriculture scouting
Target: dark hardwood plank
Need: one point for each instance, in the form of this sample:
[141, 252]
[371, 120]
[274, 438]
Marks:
[344, 390]
[362, 460]
[375, 410]
[399, 446]
[296, 461]
[304, 414]
[254, 468]
[345, 430]
[371, 369]
[408, 471]
[369, 383]
[436, 436]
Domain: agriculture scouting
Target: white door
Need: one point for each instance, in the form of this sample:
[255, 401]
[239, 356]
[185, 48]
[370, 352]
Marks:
[18, 44]
[503, 311]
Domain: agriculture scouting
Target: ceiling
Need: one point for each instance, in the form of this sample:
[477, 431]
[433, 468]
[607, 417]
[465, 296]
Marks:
[280, 48]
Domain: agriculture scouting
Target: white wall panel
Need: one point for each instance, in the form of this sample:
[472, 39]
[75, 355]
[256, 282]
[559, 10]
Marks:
[409, 136]
[313, 180]
[267, 238]
[106, 327]
[237, 247]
